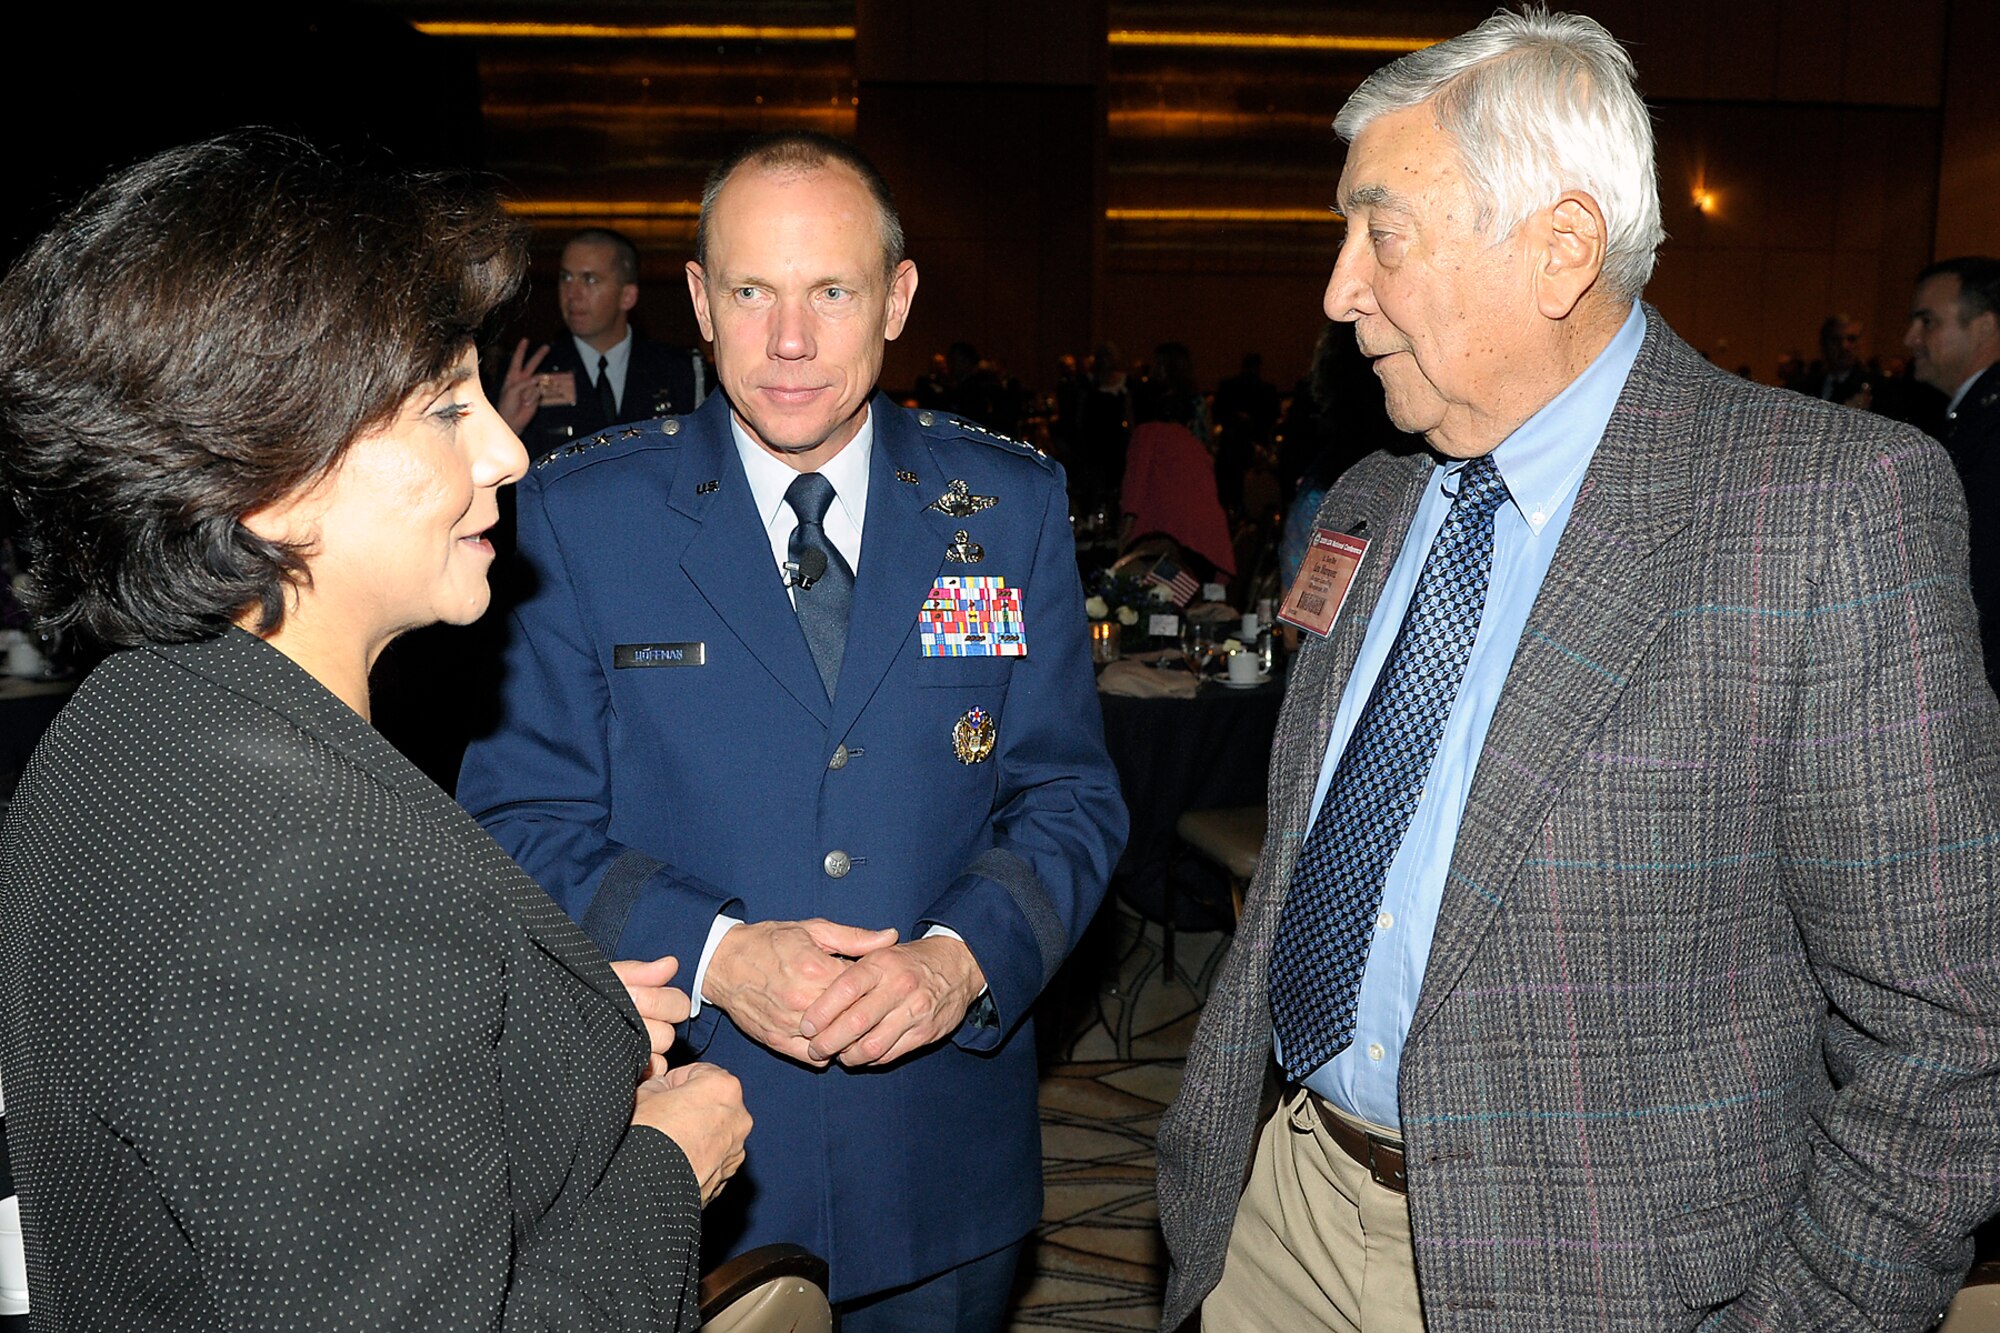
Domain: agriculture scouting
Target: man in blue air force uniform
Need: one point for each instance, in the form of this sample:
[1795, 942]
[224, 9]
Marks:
[804, 680]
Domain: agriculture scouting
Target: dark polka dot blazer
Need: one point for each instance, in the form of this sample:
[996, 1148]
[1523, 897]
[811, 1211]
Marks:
[289, 1043]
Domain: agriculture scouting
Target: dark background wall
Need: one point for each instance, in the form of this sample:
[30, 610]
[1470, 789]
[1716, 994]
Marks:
[358, 77]
[1072, 172]
[987, 116]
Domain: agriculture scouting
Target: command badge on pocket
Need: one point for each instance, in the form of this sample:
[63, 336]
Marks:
[972, 736]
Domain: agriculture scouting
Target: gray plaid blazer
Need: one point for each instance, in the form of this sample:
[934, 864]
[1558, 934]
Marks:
[1708, 1033]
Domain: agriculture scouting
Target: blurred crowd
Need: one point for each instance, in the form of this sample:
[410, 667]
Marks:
[1241, 499]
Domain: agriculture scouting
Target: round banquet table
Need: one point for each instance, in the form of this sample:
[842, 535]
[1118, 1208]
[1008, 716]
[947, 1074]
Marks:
[26, 709]
[1176, 755]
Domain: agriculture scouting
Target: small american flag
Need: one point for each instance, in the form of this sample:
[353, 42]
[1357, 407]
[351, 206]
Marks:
[1177, 581]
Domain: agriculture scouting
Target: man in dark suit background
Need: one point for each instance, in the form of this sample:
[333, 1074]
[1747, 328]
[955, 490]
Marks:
[748, 709]
[1954, 346]
[1841, 374]
[1624, 926]
[603, 374]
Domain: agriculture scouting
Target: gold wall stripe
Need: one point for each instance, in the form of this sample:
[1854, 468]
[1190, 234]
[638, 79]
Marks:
[1271, 41]
[1221, 215]
[747, 32]
[656, 32]
[691, 208]
[604, 208]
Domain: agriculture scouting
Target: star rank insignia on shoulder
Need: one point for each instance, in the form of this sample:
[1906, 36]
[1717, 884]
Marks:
[958, 501]
[666, 426]
[572, 450]
[971, 430]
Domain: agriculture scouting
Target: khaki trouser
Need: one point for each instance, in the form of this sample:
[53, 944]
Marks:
[1317, 1244]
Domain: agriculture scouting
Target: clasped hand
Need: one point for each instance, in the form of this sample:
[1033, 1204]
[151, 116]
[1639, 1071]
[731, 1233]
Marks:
[698, 1106]
[818, 991]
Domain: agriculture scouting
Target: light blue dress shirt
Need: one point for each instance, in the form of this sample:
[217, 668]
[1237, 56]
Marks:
[1542, 463]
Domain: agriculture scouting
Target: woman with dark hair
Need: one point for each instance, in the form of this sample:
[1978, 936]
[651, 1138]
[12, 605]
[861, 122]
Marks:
[1336, 419]
[288, 1042]
[1170, 392]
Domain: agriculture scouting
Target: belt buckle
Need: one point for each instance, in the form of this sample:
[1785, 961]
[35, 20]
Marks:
[1396, 1179]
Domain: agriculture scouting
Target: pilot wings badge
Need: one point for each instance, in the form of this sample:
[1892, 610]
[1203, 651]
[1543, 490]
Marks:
[958, 501]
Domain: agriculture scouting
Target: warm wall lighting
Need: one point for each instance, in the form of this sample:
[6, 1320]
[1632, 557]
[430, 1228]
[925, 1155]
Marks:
[1168, 123]
[1705, 200]
[1221, 215]
[604, 208]
[1272, 41]
[685, 209]
[650, 32]
[523, 30]
[666, 118]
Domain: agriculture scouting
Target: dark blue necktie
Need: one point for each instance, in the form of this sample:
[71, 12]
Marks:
[1336, 890]
[822, 601]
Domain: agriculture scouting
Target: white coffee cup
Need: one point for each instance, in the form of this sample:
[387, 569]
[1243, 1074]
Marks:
[1244, 668]
[25, 659]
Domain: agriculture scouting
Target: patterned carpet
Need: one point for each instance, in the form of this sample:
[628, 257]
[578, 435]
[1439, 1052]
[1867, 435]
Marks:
[1122, 1026]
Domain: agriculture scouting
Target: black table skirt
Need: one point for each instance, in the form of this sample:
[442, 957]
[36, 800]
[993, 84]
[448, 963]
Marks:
[1176, 755]
[23, 719]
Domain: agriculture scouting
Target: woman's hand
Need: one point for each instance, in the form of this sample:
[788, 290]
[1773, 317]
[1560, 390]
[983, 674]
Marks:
[659, 1004]
[699, 1107]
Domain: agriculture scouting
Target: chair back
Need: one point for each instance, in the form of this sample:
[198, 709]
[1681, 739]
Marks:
[1976, 1309]
[771, 1289]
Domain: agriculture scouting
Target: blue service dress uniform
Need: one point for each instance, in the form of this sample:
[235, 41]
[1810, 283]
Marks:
[667, 752]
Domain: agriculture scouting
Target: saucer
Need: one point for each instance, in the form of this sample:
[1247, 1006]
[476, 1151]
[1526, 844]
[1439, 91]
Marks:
[1228, 684]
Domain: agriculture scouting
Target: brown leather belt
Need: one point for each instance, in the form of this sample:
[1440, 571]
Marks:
[1382, 1157]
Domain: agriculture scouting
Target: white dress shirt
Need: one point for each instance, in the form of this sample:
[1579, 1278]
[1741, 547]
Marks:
[770, 477]
[616, 362]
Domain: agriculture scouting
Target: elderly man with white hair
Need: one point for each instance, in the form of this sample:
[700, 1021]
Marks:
[1623, 944]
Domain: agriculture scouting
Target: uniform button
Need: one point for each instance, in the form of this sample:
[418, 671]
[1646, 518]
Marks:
[839, 759]
[1383, 921]
[925, 418]
[837, 863]
[1375, 1051]
[671, 426]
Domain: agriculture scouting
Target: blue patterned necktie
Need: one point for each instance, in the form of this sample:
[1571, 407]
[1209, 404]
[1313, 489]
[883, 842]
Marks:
[822, 604]
[1336, 890]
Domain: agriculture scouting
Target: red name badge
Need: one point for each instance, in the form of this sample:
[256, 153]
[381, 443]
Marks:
[1320, 590]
